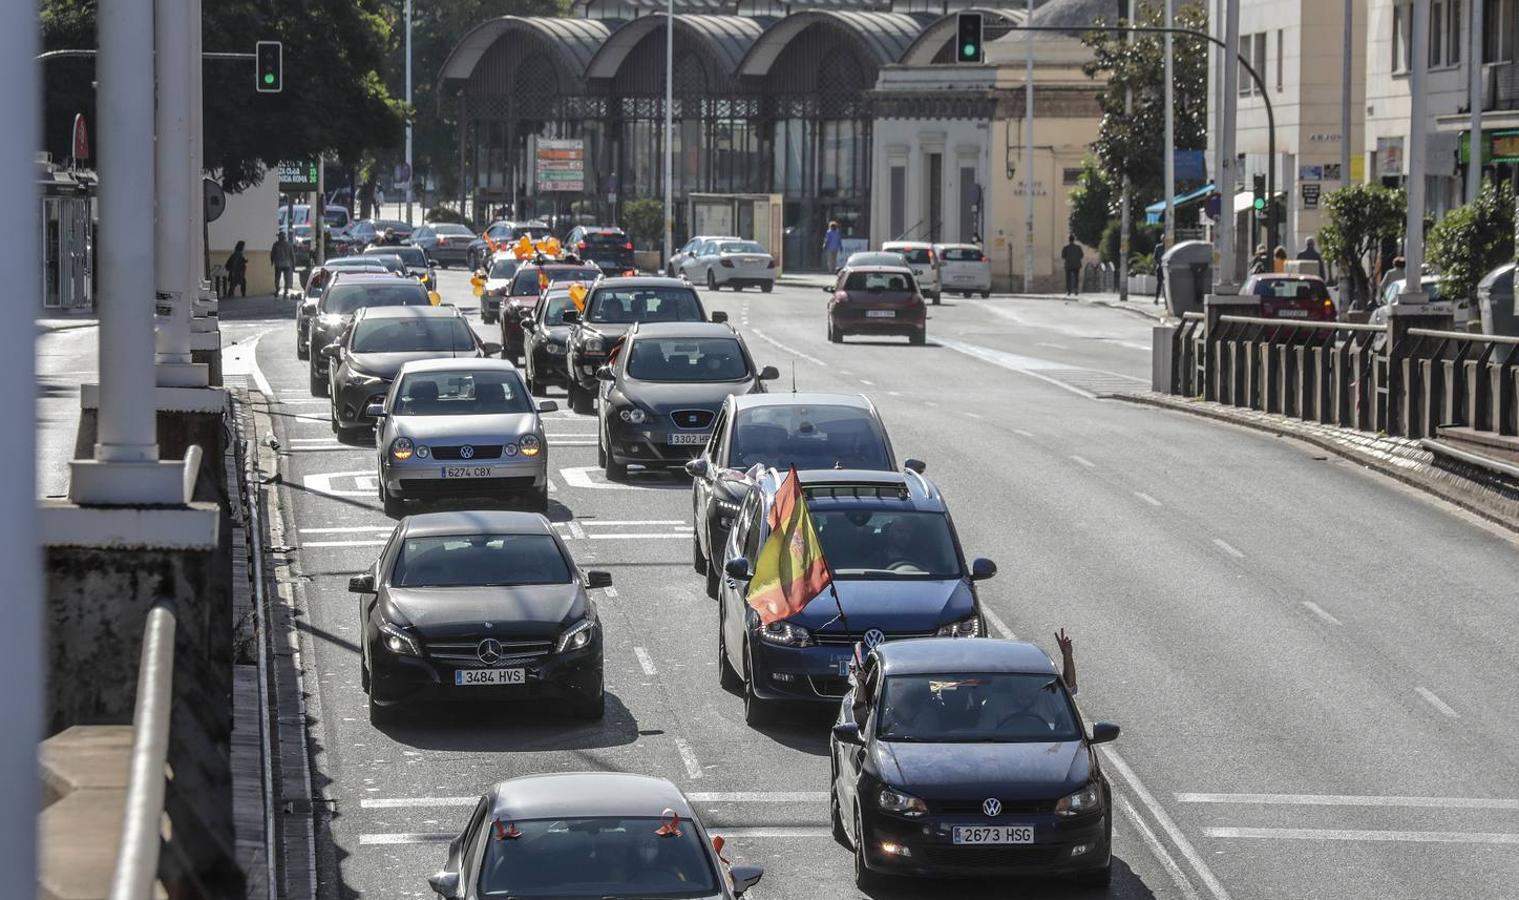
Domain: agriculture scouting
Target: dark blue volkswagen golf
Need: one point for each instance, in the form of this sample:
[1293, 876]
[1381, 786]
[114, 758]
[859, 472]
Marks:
[968, 758]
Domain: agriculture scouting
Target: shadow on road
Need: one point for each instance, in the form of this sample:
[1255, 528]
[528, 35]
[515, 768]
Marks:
[519, 727]
[1127, 885]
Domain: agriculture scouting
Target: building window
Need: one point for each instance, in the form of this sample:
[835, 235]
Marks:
[1279, 56]
[1253, 48]
[1454, 57]
[1070, 177]
[1436, 34]
[1497, 28]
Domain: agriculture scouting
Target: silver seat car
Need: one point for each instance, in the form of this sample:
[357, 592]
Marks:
[461, 429]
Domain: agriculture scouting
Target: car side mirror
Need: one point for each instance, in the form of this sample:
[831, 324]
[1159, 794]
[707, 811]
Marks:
[444, 884]
[737, 569]
[597, 578]
[605, 373]
[769, 373]
[529, 324]
[570, 317]
[697, 468]
[548, 406]
[332, 351]
[491, 348]
[828, 290]
[374, 411]
[361, 584]
[848, 733]
[719, 317]
[917, 465]
[1102, 732]
[982, 569]
[745, 877]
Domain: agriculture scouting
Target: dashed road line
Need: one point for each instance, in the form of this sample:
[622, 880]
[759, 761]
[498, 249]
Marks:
[1158, 850]
[576, 531]
[1147, 498]
[688, 756]
[1228, 548]
[999, 626]
[1433, 700]
[1393, 802]
[867, 382]
[1021, 433]
[971, 415]
[792, 350]
[1358, 834]
[1321, 612]
[645, 661]
[1081, 460]
[1158, 813]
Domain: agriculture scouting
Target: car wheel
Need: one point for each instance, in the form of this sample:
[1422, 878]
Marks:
[835, 336]
[593, 709]
[380, 716]
[864, 878]
[965, 294]
[712, 579]
[601, 447]
[580, 400]
[536, 388]
[538, 500]
[835, 814]
[487, 318]
[985, 294]
[727, 676]
[698, 559]
[364, 676]
[756, 711]
[918, 338]
[302, 350]
[711, 281]
[938, 295]
[767, 287]
[318, 383]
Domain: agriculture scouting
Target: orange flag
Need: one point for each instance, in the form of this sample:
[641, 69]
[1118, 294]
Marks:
[791, 569]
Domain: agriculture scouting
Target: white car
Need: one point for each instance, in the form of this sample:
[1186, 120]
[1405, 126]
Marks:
[689, 248]
[730, 262]
[1463, 311]
[964, 268]
[924, 263]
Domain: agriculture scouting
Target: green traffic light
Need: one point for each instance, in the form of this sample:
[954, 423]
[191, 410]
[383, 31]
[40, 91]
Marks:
[968, 51]
[1260, 203]
[268, 78]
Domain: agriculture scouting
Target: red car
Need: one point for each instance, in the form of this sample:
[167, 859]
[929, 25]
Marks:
[1292, 297]
[523, 294]
[876, 300]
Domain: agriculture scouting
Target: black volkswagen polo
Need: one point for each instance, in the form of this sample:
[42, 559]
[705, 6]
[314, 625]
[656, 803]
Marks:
[968, 758]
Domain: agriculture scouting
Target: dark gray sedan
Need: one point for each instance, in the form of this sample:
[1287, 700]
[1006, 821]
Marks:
[445, 242]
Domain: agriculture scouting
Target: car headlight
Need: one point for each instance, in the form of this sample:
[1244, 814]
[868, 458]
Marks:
[1080, 803]
[362, 378]
[401, 449]
[577, 636]
[554, 349]
[894, 801]
[633, 415]
[398, 641]
[423, 452]
[785, 634]
[530, 445]
[595, 345]
[330, 320]
[970, 627]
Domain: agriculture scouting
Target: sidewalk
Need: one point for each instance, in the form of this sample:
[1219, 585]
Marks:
[1136, 305]
[66, 323]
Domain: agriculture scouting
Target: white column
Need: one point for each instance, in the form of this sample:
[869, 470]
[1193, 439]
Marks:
[669, 131]
[1126, 194]
[172, 70]
[1346, 77]
[1474, 97]
[1028, 159]
[1413, 252]
[1170, 161]
[22, 639]
[197, 167]
[1224, 270]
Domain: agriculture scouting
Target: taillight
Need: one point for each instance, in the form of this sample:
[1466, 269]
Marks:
[442, 242]
[984, 259]
[628, 246]
[580, 246]
[770, 264]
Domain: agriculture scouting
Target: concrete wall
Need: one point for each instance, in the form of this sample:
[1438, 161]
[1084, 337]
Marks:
[250, 216]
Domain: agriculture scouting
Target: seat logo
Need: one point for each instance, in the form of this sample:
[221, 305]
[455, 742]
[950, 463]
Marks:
[873, 637]
[489, 651]
[992, 807]
[466, 452]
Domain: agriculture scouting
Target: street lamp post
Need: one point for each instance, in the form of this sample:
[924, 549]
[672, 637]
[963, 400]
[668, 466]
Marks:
[669, 133]
[1474, 144]
[1170, 161]
[410, 176]
[1028, 158]
[1127, 192]
[1224, 271]
[1413, 251]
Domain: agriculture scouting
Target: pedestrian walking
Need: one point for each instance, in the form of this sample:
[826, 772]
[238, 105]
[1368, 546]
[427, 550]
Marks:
[1392, 276]
[1260, 262]
[237, 270]
[1279, 260]
[1310, 252]
[1073, 256]
[1160, 278]
[833, 244]
[282, 257]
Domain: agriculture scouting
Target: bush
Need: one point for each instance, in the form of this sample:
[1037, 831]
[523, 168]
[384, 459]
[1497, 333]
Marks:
[1473, 240]
[445, 214]
[1143, 239]
[644, 220]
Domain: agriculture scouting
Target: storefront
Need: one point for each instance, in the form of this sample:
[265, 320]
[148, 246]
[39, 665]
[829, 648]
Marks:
[68, 240]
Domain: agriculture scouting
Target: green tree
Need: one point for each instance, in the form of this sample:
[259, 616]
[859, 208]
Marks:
[644, 220]
[1473, 240]
[1134, 142]
[1093, 203]
[334, 101]
[1359, 219]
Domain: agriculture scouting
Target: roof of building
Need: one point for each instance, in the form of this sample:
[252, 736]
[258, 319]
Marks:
[727, 38]
[576, 41]
[884, 36]
[941, 31]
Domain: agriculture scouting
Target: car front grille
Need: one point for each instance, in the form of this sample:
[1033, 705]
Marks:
[466, 651]
[850, 638]
[482, 451]
[692, 418]
[463, 488]
[973, 807]
[829, 685]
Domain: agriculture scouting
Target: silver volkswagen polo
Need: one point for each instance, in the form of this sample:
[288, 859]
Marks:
[459, 429]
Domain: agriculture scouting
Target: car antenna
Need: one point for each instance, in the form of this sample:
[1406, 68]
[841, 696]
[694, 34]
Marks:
[793, 376]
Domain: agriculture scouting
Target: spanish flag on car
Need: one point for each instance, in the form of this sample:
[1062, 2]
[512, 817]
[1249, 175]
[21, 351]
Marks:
[791, 569]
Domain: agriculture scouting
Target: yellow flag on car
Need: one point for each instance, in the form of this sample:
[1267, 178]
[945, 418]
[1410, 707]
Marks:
[791, 569]
[577, 295]
[523, 248]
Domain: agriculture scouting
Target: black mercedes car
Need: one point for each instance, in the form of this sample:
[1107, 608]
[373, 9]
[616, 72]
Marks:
[968, 759]
[416, 263]
[614, 305]
[605, 247]
[809, 431]
[311, 294]
[478, 605]
[363, 363]
[345, 295]
[545, 338]
[661, 392]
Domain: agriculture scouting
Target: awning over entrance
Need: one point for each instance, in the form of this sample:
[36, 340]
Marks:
[1156, 210]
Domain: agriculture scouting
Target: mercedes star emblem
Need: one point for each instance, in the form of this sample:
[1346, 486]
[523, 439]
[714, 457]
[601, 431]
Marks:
[992, 806]
[873, 637]
[489, 651]
[466, 452]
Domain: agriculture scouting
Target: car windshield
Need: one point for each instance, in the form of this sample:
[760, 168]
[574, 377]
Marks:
[344, 299]
[598, 857]
[920, 256]
[474, 560]
[740, 247]
[414, 257]
[527, 283]
[865, 542]
[390, 261]
[1291, 289]
[413, 334]
[687, 359]
[645, 304]
[876, 259]
[898, 282]
[456, 393]
[505, 268]
[808, 437]
[1012, 707]
[963, 254]
[554, 307]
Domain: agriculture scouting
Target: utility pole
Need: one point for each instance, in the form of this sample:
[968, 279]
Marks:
[410, 175]
[1413, 252]
[1225, 272]
[22, 640]
[669, 132]
[1028, 159]
[1170, 161]
[319, 227]
[1475, 144]
[172, 159]
[1346, 76]
[1124, 224]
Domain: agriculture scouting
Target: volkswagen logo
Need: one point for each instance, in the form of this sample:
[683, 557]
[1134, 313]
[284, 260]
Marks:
[992, 807]
[466, 452]
[873, 637]
[489, 651]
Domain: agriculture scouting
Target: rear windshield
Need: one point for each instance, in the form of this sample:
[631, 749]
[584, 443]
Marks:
[963, 254]
[687, 359]
[526, 282]
[1291, 289]
[453, 229]
[740, 247]
[919, 257]
[598, 857]
[455, 393]
[645, 304]
[395, 225]
[533, 231]
[505, 268]
[809, 437]
[343, 299]
[412, 335]
[478, 560]
[879, 281]
[876, 259]
[605, 238]
[411, 256]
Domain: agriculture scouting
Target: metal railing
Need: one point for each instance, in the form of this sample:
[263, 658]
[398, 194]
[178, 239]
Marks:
[1393, 379]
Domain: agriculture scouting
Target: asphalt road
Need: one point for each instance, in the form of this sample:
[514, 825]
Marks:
[1313, 667]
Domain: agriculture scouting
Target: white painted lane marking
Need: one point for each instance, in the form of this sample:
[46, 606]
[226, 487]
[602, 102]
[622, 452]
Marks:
[1147, 498]
[610, 592]
[1321, 612]
[435, 837]
[1051, 346]
[998, 625]
[1158, 813]
[1023, 365]
[693, 796]
[594, 477]
[792, 350]
[365, 483]
[867, 383]
[1020, 432]
[1228, 548]
[305, 545]
[645, 660]
[688, 756]
[1084, 461]
[1158, 850]
[650, 536]
[971, 415]
[576, 531]
[348, 529]
[1433, 700]
[1352, 800]
[1357, 834]
[409, 802]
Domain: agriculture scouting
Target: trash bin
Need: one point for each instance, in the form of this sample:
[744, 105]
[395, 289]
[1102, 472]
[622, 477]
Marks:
[1495, 299]
[1189, 276]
